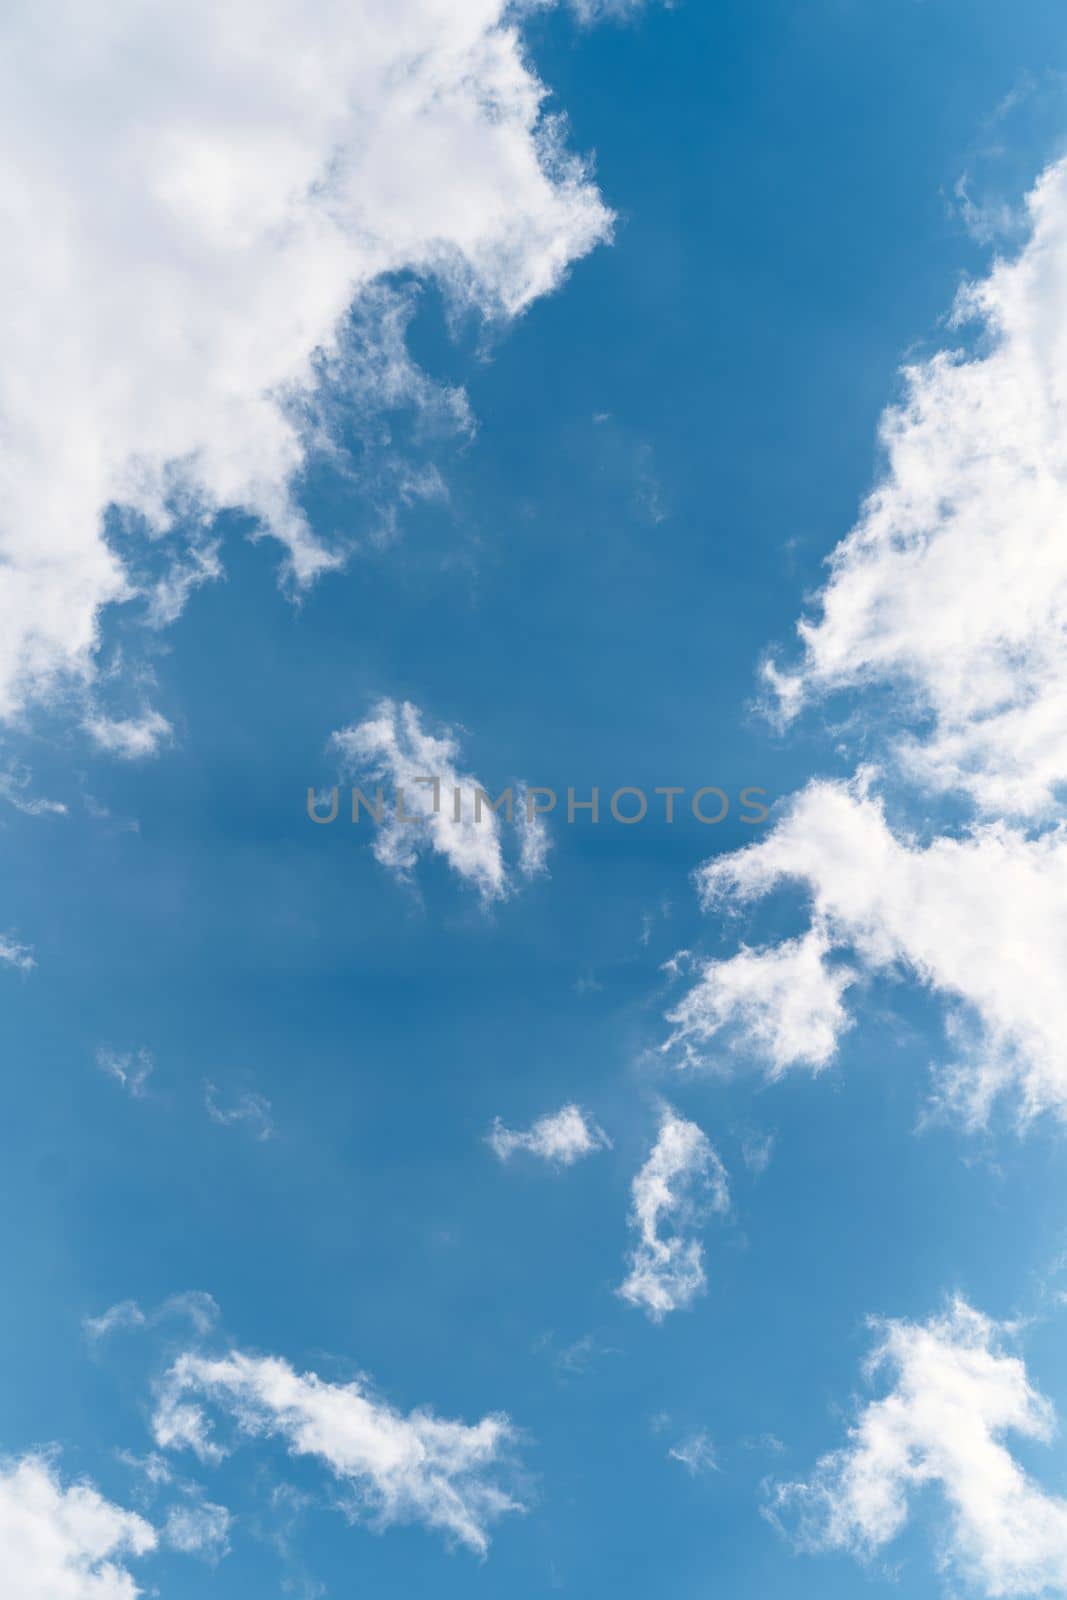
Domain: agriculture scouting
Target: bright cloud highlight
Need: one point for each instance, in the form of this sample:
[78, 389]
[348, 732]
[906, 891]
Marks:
[680, 1182]
[953, 585]
[561, 1138]
[65, 1542]
[394, 1468]
[392, 747]
[201, 196]
[955, 1394]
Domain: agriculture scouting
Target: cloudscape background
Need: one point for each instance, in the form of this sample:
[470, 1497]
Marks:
[566, 396]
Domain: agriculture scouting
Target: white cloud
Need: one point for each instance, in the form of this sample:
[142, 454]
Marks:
[16, 955]
[64, 1543]
[562, 1137]
[955, 1394]
[981, 920]
[151, 1467]
[590, 11]
[574, 1359]
[696, 1453]
[252, 1109]
[680, 1182]
[124, 1315]
[14, 784]
[782, 1002]
[953, 585]
[129, 738]
[396, 1468]
[199, 198]
[200, 1308]
[757, 1150]
[131, 1068]
[952, 590]
[391, 748]
[199, 1529]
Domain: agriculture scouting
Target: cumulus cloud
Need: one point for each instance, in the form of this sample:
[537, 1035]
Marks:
[783, 1003]
[682, 1180]
[394, 1468]
[980, 919]
[392, 748]
[65, 1541]
[200, 197]
[952, 591]
[562, 1137]
[952, 587]
[955, 1394]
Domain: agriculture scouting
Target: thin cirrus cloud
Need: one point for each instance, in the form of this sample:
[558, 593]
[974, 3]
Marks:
[682, 1180]
[394, 1468]
[14, 788]
[200, 1308]
[695, 1453]
[130, 1068]
[266, 203]
[391, 747]
[561, 1138]
[250, 1111]
[65, 1540]
[956, 1393]
[200, 1528]
[129, 738]
[14, 954]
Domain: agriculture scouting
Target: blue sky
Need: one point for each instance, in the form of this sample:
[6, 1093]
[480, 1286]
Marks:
[570, 512]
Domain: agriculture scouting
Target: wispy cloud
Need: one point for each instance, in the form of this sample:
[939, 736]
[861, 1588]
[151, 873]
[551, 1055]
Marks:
[757, 1150]
[130, 738]
[14, 788]
[253, 1111]
[199, 1529]
[574, 1359]
[16, 955]
[695, 1452]
[195, 1305]
[131, 1068]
